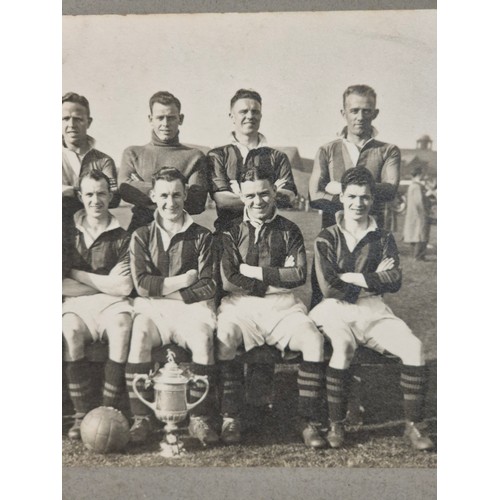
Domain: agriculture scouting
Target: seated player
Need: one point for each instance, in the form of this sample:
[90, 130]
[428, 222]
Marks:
[263, 259]
[96, 306]
[171, 262]
[355, 263]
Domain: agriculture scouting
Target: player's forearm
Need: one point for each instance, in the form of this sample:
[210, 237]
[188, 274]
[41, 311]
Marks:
[284, 197]
[357, 279]
[284, 277]
[173, 284]
[384, 281]
[136, 192]
[385, 191]
[196, 199]
[112, 285]
[73, 288]
[228, 200]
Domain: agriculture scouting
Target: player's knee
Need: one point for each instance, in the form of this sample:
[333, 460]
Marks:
[141, 336]
[413, 352]
[120, 329]
[73, 329]
[344, 347]
[202, 343]
[310, 342]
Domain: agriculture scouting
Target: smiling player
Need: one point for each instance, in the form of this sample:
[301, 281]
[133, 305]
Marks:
[171, 263]
[95, 291]
[263, 259]
[355, 263]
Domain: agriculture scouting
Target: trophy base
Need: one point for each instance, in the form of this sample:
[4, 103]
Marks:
[172, 446]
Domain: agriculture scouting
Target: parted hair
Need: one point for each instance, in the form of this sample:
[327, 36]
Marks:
[77, 99]
[360, 176]
[165, 98]
[169, 174]
[96, 175]
[363, 90]
[245, 94]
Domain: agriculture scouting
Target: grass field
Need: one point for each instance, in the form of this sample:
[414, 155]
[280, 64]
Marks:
[378, 443]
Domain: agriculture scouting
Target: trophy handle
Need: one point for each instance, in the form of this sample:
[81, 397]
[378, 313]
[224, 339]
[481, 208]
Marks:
[201, 378]
[138, 377]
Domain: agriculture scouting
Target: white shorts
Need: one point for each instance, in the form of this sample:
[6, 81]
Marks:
[359, 318]
[96, 311]
[175, 319]
[259, 318]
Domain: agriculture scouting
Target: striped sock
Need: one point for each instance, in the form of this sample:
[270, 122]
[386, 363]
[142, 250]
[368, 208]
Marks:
[136, 406]
[337, 391]
[79, 384]
[233, 392]
[114, 383]
[197, 389]
[414, 385]
[310, 380]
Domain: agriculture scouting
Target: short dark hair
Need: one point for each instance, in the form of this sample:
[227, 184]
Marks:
[259, 172]
[245, 94]
[363, 90]
[165, 98]
[77, 99]
[96, 175]
[359, 176]
[169, 174]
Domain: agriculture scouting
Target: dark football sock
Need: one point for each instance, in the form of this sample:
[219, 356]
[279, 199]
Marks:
[136, 406]
[310, 380]
[79, 385]
[114, 383]
[232, 379]
[197, 389]
[337, 390]
[414, 385]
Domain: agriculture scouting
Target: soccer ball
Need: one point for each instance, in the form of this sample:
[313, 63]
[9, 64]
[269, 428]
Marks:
[104, 430]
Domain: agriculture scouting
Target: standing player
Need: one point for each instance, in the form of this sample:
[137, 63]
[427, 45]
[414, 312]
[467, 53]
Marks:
[95, 291]
[356, 148]
[139, 163]
[78, 158]
[226, 165]
[263, 259]
[171, 262]
[356, 262]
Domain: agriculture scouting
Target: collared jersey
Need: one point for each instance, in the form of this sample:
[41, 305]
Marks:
[99, 256]
[278, 239]
[151, 262]
[226, 164]
[334, 255]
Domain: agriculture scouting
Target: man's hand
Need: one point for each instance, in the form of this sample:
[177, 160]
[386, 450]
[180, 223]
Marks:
[121, 269]
[289, 261]
[386, 265]
[333, 187]
[235, 187]
[354, 279]
[254, 272]
[280, 183]
[191, 277]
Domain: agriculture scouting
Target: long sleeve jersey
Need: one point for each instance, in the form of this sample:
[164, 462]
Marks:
[268, 248]
[225, 164]
[151, 263]
[139, 163]
[333, 257]
[332, 160]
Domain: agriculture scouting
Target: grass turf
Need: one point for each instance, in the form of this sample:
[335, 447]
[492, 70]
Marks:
[276, 443]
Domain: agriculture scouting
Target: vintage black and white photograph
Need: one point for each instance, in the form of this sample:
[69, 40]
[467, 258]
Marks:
[249, 240]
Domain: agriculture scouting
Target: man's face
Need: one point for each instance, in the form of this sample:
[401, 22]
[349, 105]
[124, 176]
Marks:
[75, 122]
[259, 198]
[359, 112]
[95, 196]
[246, 115]
[165, 120]
[357, 201]
[169, 197]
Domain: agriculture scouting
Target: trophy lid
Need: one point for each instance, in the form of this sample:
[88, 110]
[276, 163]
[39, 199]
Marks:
[170, 373]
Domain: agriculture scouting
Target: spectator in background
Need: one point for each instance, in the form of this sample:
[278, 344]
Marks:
[416, 229]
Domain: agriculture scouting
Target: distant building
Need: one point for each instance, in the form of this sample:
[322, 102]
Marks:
[422, 156]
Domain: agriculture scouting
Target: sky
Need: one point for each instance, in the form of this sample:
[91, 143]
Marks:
[300, 63]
